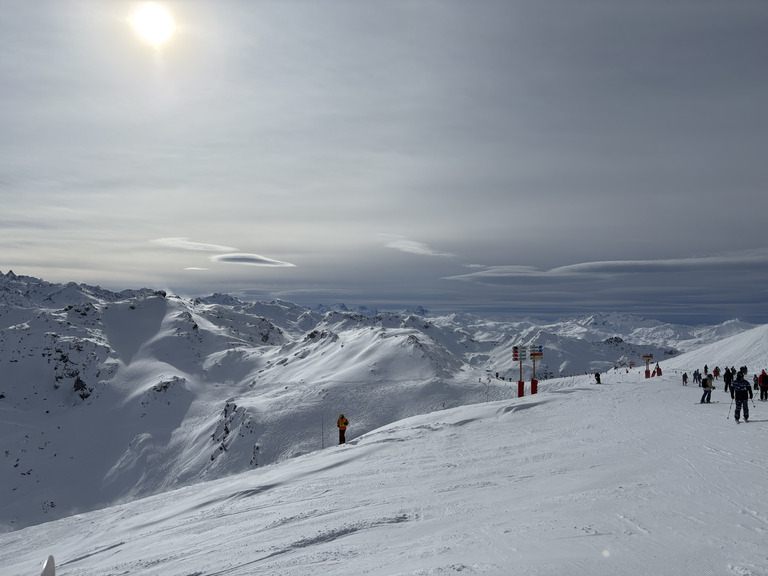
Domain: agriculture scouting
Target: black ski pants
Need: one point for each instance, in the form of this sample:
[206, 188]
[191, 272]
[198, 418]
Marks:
[739, 403]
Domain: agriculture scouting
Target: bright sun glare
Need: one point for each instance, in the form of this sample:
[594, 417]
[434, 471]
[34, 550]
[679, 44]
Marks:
[153, 23]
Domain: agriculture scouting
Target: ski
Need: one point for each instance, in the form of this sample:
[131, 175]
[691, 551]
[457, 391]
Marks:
[713, 402]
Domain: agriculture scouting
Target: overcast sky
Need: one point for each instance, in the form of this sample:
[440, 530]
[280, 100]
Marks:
[533, 157]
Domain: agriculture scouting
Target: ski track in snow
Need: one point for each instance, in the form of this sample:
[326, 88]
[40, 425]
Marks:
[626, 477]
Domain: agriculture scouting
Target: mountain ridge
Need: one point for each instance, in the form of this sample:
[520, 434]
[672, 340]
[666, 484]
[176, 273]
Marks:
[148, 391]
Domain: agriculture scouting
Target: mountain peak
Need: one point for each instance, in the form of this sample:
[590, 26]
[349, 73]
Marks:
[193, 392]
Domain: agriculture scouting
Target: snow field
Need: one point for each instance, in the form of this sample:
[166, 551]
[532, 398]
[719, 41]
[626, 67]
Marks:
[628, 477]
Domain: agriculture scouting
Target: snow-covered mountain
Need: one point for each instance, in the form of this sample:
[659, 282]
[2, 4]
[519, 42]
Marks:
[633, 476]
[107, 397]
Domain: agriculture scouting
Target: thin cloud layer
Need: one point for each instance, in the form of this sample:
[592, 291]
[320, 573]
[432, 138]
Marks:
[746, 261]
[412, 246]
[249, 260]
[679, 289]
[187, 244]
[229, 257]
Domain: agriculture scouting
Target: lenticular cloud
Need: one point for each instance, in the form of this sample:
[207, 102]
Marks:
[249, 260]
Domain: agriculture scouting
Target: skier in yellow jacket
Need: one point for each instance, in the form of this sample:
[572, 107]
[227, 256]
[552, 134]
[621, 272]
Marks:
[342, 423]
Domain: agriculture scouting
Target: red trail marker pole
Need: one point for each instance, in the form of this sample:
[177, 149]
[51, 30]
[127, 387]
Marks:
[519, 355]
[647, 358]
[534, 354]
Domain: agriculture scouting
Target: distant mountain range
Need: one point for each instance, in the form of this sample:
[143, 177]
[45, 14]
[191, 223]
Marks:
[107, 396]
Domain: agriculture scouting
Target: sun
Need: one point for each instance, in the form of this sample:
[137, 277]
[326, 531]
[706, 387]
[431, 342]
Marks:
[153, 23]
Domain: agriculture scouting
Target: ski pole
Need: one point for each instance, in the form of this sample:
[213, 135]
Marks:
[729, 410]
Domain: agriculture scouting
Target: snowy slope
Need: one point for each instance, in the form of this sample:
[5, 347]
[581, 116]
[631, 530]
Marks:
[107, 397]
[745, 349]
[632, 476]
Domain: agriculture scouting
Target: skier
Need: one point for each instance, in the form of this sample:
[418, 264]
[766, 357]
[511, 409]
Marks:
[342, 423]
[755, 381]
[727, 378]
[708, 386]
[763, 382]
[739, 390]
[597, 377]
[685, 378]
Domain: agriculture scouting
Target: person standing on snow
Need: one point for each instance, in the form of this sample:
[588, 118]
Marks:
[685, 378]
[739, 390]
[342, 423]
[727, 378]
[763, 383]
[708, 386]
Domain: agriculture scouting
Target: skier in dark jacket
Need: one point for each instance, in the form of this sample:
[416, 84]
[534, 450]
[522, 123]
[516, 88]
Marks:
[727, 378]
[740, 388]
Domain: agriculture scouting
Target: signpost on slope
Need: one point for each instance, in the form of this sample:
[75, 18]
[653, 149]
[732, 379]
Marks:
[535, 353]
[647, 358]
[518, 355]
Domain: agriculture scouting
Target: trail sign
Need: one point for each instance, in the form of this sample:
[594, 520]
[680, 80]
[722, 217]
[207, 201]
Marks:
[647, 358]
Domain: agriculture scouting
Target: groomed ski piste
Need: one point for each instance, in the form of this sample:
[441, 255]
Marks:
[626, 477]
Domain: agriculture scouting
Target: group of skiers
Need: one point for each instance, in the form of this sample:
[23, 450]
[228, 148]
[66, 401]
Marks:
[736, 383]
